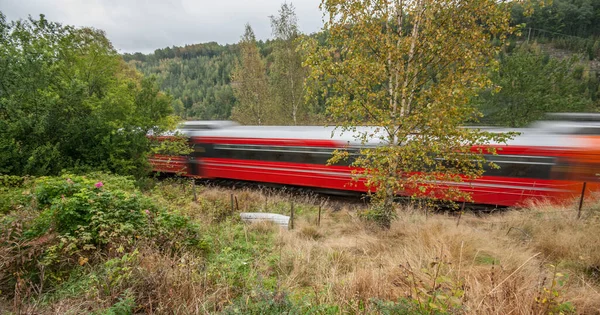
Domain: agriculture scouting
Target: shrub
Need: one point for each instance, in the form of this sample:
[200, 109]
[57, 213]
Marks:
[13, 199]
[97, 216]
[93, 212]
[50, 188]
[82, 209]
[13, 195]
[77, 221]
[12, 181]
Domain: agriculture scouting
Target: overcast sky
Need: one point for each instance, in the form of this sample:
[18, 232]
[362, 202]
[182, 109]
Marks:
[145, 25]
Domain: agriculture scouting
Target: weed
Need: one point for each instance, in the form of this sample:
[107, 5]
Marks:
[486, 259]
[436, 292]
[310, 232]
[549, 298]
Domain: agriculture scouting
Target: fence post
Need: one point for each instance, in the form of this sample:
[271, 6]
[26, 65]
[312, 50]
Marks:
[292, 215]
[194, 190]
[581, 200]
[237, 206]
[232, 208]
[319, 217]
[462, 209]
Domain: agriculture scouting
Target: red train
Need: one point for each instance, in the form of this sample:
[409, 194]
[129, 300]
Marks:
[550, 160]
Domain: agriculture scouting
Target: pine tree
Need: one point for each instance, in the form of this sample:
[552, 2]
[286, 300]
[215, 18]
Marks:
[250, 84]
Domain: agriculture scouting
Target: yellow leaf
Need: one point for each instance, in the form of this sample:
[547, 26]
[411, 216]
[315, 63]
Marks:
[82, 260]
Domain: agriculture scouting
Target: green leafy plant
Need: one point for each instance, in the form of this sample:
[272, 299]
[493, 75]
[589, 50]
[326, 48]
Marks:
[50, 188]
[79, 219]
[174, 145]
[549, 299]
[437, 293]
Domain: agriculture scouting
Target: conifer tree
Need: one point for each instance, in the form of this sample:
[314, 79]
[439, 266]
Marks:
[250, 84]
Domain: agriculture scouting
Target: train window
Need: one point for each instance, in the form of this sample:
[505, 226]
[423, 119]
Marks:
[591, 131]
[305, 155]
[572, 169]
[519, 166]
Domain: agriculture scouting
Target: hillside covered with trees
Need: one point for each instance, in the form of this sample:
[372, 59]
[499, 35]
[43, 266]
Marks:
[551, 66]
[212, 81]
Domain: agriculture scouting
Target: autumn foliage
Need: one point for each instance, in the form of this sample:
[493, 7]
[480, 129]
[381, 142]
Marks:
[410, 68]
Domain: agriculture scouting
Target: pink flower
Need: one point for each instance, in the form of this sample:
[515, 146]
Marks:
[99, 185]
[147, 212]
[69, 181]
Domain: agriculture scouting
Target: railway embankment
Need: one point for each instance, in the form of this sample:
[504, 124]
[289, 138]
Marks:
[101, 244]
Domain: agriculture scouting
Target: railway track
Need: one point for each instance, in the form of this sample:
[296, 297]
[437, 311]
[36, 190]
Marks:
[337, 199]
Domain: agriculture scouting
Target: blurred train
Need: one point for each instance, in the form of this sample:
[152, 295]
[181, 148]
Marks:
[548, 161]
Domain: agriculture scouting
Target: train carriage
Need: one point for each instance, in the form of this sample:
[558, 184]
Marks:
[548, 161]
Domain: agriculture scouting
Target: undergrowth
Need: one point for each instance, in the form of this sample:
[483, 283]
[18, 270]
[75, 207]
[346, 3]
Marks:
[97, 244]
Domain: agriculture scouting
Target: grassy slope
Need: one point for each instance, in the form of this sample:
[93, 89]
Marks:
[537, 261]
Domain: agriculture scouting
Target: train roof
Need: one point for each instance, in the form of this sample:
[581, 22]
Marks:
[286, 132]
[527, 136]
[556, 130]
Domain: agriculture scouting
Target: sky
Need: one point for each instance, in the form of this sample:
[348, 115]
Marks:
[145, 25]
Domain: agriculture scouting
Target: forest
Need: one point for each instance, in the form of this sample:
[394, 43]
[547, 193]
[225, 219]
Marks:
[554, 58]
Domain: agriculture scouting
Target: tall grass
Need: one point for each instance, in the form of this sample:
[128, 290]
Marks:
[533, 261]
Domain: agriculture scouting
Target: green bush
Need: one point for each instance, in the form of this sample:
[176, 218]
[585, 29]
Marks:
[12, 181]
[93, 212]
[50, 188]
[98, 216]
[13, 199]
[69, 102]
[77, 220]
[13, 193]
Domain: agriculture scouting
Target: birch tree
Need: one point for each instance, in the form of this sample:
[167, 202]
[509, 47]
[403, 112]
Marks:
[409, 68]
[287, 73]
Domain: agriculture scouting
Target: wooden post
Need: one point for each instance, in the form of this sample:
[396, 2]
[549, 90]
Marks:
[581, 200]
[319, 217]
[232, 209]
[292, 215]
[194, 190]
[462, 209]
[237, 206]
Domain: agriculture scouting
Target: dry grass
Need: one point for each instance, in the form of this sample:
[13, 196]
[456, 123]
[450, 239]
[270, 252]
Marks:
[502, 263]
[493, 264]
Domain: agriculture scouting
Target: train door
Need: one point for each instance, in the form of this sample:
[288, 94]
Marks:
[196, 161]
